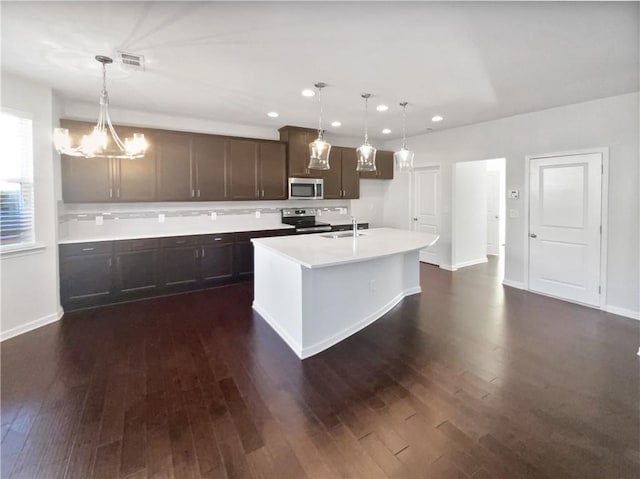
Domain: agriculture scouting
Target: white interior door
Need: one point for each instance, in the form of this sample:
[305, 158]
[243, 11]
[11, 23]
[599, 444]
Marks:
[565, 226]
[426, 208]
[493, 212]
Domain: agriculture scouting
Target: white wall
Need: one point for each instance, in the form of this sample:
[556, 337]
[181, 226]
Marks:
[29, 288]
[470, 214]
[609, 122]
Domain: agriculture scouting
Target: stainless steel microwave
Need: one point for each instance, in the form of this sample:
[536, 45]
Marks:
[306, 189]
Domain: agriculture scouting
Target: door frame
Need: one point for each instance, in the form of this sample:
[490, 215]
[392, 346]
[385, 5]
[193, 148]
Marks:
[604, 208]
[412, 196]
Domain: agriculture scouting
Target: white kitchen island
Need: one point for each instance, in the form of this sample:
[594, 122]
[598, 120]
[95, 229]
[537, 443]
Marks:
[316, 290]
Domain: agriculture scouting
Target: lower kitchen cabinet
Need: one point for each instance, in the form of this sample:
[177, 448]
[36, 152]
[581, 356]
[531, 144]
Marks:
[137, 268]
[106, 272]
[93, 263]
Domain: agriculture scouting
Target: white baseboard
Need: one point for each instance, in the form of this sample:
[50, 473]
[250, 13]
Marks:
[31, 325]
[627, 313]
[512, 284]
[448, 267]
[472, 262]
[305, 352]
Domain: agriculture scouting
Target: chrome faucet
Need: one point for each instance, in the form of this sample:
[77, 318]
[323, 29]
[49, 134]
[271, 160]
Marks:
[354, 226]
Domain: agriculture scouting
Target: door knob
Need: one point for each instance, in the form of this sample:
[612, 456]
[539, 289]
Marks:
[533, 235]
[415, 219]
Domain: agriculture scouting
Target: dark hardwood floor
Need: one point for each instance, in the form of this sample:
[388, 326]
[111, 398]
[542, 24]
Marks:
[469, 379]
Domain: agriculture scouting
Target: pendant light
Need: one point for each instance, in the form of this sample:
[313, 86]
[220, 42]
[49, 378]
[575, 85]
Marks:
[96, 144]
[404, 157]
[319, 149]
[366, 153]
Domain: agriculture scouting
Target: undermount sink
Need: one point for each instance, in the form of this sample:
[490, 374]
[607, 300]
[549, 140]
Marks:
[342, 234]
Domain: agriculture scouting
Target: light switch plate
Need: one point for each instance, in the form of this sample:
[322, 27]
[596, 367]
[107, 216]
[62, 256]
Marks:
[513, 194]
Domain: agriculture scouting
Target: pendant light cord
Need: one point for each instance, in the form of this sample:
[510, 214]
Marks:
[320, 118]
[404, 124]
[366, 117]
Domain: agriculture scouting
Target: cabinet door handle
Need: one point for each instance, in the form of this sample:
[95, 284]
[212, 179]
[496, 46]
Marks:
[198, 193]
[88, 249]
[181, 241]
[110, 263]
[217, 239]
[196, 252]
[110, 192]
[118, 193]
[202, 249]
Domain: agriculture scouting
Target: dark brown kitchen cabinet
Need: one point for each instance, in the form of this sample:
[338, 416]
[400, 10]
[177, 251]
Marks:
[216, 258]
[384, 167]
[211, 168]
[298, 140]
[179, 261]
[243, 160]
[86, 275]
[341, 180]
[85, 180]
[137, 267]
[173, 152]
[273, 171]
[91, 180]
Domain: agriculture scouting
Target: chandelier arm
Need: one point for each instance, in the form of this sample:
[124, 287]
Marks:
[114, 135]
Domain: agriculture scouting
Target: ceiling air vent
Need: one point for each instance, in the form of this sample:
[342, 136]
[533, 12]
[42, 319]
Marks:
[131, 60]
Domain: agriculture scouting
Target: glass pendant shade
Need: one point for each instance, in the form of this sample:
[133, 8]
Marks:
[319, 149]
[366, 158]
[319, 154]
[366, 154]
[404, 159]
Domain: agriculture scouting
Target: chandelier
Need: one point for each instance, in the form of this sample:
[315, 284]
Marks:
[404, 156]
[366, 153]
[319, 149]
[97, 144]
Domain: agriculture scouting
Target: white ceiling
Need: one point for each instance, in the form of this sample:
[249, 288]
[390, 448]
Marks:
[236, 61]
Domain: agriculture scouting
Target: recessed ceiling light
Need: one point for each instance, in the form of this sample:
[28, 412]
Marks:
[308, 93]
[386, 131]
[273, 114]
[336, 124]
[382, 108]
[437, 118]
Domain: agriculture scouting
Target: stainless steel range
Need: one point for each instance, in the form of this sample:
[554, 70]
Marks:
[304, 219]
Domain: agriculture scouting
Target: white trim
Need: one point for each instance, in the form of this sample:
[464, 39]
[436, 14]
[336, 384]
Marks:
[472, 262]
[305, 352]
[604, 206]
[448, 267]
[627, 313]
[22, 250]
[31, 325]
[513, 284]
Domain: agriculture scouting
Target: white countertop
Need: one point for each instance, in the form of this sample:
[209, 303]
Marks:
[155, 234]
[317, 251]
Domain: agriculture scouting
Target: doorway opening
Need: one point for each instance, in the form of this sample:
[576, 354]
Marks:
[478, 228]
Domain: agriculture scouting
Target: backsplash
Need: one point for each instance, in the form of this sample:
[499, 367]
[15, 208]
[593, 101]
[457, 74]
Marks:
[93, 222]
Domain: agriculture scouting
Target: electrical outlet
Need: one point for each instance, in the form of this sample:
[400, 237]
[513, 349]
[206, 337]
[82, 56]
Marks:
[258, 214]
[161, 218]
[214, 216]
[99, 220]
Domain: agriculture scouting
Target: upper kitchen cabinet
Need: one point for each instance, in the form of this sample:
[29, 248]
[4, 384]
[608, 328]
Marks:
[211, 168]
[85, 180]
[258, 170]
[245, 175]
[173, 152]
[341, 180]
[384, 167]
[298, 140]
[91, 180]
[273, 171]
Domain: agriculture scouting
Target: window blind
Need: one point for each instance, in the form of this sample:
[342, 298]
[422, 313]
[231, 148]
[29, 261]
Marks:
[16, 180]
